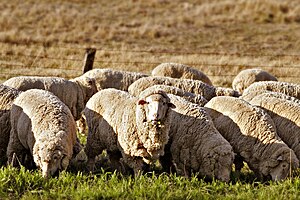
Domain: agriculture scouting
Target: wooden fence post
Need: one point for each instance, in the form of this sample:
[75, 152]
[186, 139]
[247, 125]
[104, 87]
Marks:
[88, 59]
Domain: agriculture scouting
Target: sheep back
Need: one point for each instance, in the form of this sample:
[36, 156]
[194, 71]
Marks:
[110, 78]
[177, 70]
[285, 114]
[67, 91]
[290, 89]
[193, 86]
[194, 98]
[252, 134]
[248, 76]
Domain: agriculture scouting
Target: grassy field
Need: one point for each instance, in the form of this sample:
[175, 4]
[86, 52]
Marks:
[24, 184]
[218, 37]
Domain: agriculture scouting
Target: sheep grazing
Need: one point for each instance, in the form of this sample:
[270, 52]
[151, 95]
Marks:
[252, 134]
[193, 86]
[195, 145]
[285, 114]
[194, 98]
[248, 76]
[74, 93]
[131, 128]
[290, 89]
[110, 78]
[176, 70]
[7, 96]
[43, 130]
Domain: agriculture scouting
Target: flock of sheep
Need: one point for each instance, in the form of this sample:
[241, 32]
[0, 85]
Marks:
[175, 116]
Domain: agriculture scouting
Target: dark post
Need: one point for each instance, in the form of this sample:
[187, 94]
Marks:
[88, 59]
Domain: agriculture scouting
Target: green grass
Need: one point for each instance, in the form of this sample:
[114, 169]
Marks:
[25, 184]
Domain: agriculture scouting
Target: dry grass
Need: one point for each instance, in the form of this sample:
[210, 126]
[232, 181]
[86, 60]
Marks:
[48, 37]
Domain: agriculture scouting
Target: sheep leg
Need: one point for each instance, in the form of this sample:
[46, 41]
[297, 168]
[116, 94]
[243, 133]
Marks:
[15, 151]
[238, 163]
[116, 162]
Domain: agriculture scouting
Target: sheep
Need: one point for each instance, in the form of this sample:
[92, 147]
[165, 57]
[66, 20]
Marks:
[110, 78]
[252, 134]
[193, 86]
[176, 70]
[248, 76]
[131, 128]
[194, 98]
[43, 130]
[285, 114]
[74, 93]
[195, 145]
[7, 96]
[290, 89]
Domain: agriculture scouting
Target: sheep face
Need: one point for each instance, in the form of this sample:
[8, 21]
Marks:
[279, 165]
[281, 171]
[153, 121]
[224, 167]
[156, 107]
[54, 163]
[50, 156]
[90, 88]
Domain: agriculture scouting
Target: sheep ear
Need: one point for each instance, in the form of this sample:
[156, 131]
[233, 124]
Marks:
[171, 105]
[279, 158]
[142, 102]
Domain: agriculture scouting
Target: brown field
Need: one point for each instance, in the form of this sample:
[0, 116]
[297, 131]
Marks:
[49, 37]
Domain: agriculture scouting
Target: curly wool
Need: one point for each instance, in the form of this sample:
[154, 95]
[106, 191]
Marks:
[195, 145]
[193, 86]
[251, 132]
[249, 96]
[124, 128]
[7, 96]
[285, 114]
[177, 70]
[290, 89]
[47, 124]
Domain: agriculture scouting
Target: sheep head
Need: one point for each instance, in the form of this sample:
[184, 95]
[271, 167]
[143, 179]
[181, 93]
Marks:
[50, 154]
[153, 121]
[88, 86]
[280, 164]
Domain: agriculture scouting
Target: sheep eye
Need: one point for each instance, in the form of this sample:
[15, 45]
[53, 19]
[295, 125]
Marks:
[284, 166]
[55, 157]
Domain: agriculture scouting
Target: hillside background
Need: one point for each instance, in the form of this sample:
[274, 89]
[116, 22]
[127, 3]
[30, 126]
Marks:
[49, 37]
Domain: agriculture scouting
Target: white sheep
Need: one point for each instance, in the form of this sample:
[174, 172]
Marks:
[42, 128]
[285, 114]
[188, 85]
[252, 134]
[7, 96]
[195, 145]
[177, 70]
[248, 76]
[135, 129]
[110, 78]
[74, 93]
[194, 98]
[290, 89]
